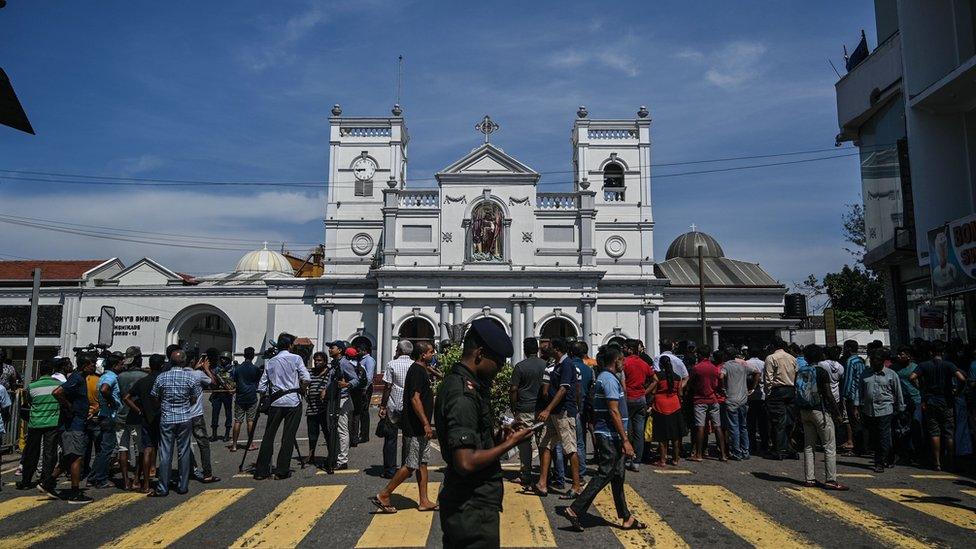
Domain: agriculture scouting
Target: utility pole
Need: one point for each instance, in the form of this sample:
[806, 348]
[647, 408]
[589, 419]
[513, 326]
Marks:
[32, 328]
[701, 294]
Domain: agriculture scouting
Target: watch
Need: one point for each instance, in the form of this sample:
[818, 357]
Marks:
[363, 168]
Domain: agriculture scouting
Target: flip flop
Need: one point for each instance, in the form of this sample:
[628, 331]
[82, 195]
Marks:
[569, 495]
[636, 525]
[535, 490]
[429, 509]
[574, 520]
[209, 480]
[383, 509]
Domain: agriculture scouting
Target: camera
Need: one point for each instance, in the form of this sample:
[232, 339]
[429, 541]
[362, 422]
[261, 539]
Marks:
[271, 351]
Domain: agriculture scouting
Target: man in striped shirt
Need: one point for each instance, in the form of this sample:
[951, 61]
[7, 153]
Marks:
[42, 427]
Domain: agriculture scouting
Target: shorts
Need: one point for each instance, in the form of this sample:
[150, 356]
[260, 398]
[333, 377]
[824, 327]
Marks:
[245, 413]
[150, 435]
[416, 452]
[560, 429]
[712, 411]
[130, 440]
[939, 419]
[74, 443]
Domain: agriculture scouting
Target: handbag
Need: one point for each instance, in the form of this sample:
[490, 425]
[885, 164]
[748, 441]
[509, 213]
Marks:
[384, 428]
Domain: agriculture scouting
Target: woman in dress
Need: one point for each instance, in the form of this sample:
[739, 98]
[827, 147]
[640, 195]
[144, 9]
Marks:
[669, 423]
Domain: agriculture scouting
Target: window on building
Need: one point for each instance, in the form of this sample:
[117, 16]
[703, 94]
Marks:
[364, 188]
[613, 175]
[557, 327]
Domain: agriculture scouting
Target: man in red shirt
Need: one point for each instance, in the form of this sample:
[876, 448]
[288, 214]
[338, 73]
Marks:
[705, 384]
[638, 375]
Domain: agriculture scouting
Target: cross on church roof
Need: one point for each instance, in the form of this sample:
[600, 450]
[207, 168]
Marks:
[487, 126]
[694, 228]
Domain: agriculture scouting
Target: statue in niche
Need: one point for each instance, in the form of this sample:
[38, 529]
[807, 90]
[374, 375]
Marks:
[486, 233]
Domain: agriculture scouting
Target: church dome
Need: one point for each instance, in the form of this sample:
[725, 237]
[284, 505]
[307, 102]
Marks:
[264, 261]
[687, 245]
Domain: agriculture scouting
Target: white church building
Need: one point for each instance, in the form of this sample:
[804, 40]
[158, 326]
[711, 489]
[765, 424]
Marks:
[405, 262]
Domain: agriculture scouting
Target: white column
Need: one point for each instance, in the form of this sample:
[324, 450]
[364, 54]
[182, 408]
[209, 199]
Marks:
[529, 319]
[715, 339]
[653, 342]
[457, 313]
[444, 320]
[517, 331]
[588, 324]
[650, 329]
[328, 330]
[387, 329]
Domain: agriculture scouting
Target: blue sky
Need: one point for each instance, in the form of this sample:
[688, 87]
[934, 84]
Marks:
[241, 91]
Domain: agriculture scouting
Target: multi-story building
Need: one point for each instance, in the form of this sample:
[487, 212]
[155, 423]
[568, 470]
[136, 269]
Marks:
[909, 106]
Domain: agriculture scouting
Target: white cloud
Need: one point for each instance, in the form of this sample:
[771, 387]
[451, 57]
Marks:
[279, 46]
[729, 66]
[129, 167]
[236, 223]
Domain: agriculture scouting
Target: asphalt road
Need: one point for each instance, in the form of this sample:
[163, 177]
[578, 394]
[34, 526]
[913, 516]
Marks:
[757, 502]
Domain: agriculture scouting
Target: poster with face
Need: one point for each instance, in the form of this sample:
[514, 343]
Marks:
[486, 233]
[952, 257]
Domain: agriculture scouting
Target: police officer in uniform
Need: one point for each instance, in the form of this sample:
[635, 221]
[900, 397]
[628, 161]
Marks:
[471, 495]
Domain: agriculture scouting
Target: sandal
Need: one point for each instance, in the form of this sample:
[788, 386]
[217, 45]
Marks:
[574, 521]
[569, 495]
[383, 508]
[535, 490]
[209, 480]
[835, 486]
[157, 494]
[636, 525]
[429, 509]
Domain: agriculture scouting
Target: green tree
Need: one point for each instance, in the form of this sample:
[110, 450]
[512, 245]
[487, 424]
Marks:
[857, 297]
[499, 388]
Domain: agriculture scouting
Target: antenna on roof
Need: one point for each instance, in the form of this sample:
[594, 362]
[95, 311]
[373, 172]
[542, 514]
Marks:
[399, 78]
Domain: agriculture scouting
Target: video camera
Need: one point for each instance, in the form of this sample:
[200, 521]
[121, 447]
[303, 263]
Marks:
[94, 349]
[271, 351]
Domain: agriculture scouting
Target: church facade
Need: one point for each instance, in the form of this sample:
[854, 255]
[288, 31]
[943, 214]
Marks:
[489, 240]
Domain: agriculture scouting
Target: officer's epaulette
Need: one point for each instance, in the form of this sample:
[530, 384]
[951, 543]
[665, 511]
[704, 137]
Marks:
[470, 386]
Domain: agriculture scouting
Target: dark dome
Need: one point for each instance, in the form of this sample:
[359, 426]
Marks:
[687, 245]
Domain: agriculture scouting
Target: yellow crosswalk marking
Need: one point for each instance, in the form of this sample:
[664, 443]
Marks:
[672, 471]
[969, 492]
[869, 523]
[340, 472]
[62, 524]
[17, 505]
[855, 475]
[523, 522]
[658, 533]
[292, 519]
[940, 508]
[179, 521]
[408, 527]
[931, 476]
[741, 517]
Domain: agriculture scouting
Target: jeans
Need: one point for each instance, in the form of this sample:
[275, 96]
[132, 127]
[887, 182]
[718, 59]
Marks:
[107, 446]
[218, 401]
[780, 408]
[581, 443]
[879, 429]
[819, 426]
[291, 417]
[736, 420]
[390, 463]
[558, 471]
[174, 435]
[637, 423]
[345, 419]
[49, 438]
[527, 447]
[909, 442]
[199, 428]
[758, 427]
[610, 470]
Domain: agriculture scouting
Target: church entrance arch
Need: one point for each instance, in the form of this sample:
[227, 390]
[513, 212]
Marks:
[557, 327]
[202, 327]
[417, 329]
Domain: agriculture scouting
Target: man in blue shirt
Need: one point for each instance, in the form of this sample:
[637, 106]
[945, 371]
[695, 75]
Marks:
[369, 364]
[177, 391]
[585, 376]
[109, 402]
[611, 443]
[245, 376]
[73, 396]
[560, 418]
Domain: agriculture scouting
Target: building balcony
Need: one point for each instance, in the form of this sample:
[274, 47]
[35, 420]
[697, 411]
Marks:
[953, 93]
[867, 87]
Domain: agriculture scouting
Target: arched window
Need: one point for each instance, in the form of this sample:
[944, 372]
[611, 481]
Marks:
[487, 233]
[557, 327]
[613, 175]
[417, 329]
[613, 182]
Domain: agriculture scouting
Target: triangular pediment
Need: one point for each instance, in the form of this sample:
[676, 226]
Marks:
[146, 272]
[488, 160]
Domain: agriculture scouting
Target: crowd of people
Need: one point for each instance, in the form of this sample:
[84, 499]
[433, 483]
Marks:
[108, 414]
[118, 420]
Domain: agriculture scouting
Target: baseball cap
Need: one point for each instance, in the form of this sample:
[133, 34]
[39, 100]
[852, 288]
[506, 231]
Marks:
[337, 343]
[352, 352]
[132, 354]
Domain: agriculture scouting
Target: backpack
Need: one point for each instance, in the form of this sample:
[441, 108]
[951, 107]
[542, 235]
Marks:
[807, 392]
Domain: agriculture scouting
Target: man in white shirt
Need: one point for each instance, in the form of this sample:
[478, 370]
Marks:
[678, 365]
[204, 474]
[284, 377]
[394, 377]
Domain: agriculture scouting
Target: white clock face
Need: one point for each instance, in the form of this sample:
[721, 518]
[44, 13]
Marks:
[363, 169]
